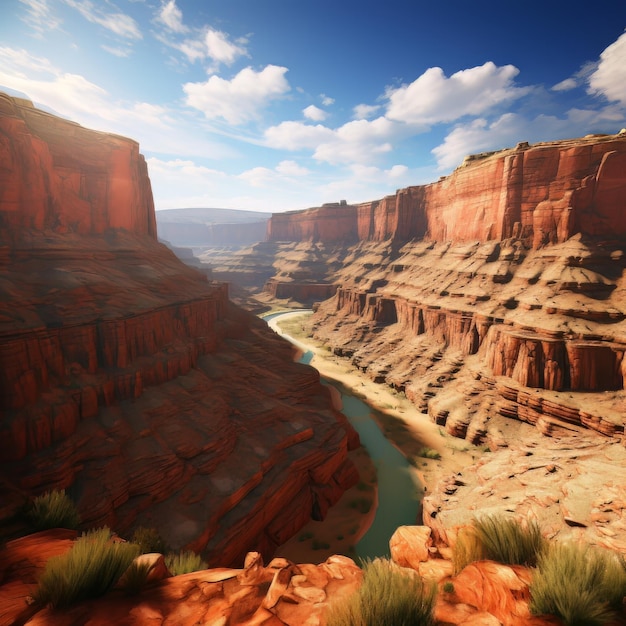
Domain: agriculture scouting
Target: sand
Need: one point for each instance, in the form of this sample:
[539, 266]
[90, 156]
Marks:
[411, 431]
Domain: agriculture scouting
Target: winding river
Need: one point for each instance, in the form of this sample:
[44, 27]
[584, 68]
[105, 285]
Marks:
[399, 494]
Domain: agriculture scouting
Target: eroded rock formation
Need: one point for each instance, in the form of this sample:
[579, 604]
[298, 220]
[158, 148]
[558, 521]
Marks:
[541, 194]
[497, 290]
[129, 379]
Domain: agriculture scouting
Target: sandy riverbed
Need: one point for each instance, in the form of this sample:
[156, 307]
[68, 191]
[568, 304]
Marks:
[412, 432]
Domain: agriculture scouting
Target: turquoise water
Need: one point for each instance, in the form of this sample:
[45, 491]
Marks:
[399, 495]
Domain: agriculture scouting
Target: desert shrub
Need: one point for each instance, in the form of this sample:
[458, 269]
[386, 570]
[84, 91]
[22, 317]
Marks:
[467, 549]
[581, 585]
[429, 453]
[149, 540]
[505, 540]
[89, 569]
[184, 562]
[135, 577]
[448, 587]
[53, 509]
[387, 595]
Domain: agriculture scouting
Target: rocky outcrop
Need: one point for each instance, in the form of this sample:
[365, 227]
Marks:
[59, 177]
[128, 379]
[280, 592]
[541, 194]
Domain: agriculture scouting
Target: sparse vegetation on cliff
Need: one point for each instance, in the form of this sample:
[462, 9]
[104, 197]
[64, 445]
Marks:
[582, 585]
[501, 539]
[388, 595]
[53, 509]
[184, 562]
[90, 569]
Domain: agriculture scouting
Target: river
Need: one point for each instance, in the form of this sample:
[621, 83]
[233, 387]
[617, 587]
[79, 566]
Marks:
[399, 494]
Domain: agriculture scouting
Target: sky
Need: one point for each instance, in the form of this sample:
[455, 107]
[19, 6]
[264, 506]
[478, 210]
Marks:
[275, 105]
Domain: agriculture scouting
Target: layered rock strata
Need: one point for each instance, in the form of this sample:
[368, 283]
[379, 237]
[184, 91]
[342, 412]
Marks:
[541, 194]
[127, 378]
[504, 279]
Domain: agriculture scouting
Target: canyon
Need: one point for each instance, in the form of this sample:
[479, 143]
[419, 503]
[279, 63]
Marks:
[492, 301]
[129, 379]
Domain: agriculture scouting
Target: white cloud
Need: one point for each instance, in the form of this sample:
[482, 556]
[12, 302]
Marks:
[118, 23]
[238, 100]
[297, 136]
[511, 128]
[314, 113]
[327, 100]
[291, 168]
[359, 141]
[72, 95]
[39, 16]
[118, 52]
[183, 183]
[609, 79]
[220, 49]
[434, 98]
[365, 111]
[565, 85]
[171, 17]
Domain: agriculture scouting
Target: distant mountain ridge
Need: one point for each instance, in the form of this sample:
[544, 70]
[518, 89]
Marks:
[199, 227]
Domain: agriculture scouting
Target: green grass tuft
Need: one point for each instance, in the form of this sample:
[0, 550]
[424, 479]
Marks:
[387, 595]
[135, 578]
[429, 453]
[53, 509]
[89, 569]
[583, 586]
[498, 538]
[506, 540]
[184, 562]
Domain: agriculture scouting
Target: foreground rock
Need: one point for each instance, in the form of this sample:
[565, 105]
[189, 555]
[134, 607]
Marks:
[130, 380]
[573, 487]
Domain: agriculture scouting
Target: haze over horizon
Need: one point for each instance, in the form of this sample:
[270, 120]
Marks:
[282, 105]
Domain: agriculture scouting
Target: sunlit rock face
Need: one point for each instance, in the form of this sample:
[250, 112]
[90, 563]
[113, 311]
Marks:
[129, 379]
[497, 290]
[541, 194]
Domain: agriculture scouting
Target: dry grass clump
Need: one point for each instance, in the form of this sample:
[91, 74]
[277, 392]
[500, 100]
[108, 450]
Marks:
[583, 586]
[184, 562]
[387, 595]
[498, 538]
[89, 569]
[53, 509]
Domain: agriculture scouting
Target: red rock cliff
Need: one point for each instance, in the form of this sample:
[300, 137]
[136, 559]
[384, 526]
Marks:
[543, 193]
[127, 378]
[60, 177]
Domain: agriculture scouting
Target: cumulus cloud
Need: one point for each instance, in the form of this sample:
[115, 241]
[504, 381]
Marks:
[509, 129]
[220, 49]
[365, 111]
[434, 98]
[297, 136]
[327, 100]
[171, 17]
[238, 100]
[118, 23]
[314, 113]
[609, 79]
[359, 141]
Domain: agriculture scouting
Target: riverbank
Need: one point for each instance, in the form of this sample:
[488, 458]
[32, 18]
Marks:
[432, 453]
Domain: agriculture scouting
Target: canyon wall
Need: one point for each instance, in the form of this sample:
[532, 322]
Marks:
[130, 380]
[508, 273]
[541, 194]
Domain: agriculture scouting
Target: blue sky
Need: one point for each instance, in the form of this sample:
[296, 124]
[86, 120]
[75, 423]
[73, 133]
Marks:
[274, 105]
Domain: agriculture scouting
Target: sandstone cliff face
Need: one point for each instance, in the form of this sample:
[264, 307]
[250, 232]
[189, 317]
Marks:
[507, 274]
[542, 194]
[130, 380]
[57, 176]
